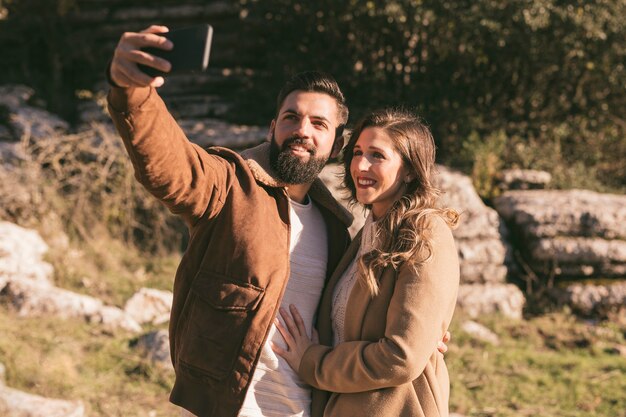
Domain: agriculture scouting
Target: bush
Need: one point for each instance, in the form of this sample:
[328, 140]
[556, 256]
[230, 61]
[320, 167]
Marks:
[542, 72]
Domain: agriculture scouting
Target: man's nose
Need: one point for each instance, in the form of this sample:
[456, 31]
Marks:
[303, 129]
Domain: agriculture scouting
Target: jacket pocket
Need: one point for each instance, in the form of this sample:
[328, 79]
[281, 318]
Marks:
[218, 320]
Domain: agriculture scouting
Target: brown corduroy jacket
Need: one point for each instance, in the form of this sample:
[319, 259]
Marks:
[232, 276]
[389, 364]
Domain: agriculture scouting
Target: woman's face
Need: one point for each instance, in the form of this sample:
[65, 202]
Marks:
[377, 170]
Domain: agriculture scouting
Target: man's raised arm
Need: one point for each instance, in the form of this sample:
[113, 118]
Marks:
[179, 173]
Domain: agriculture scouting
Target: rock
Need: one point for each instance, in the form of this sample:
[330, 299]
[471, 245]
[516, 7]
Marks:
[21, 252]
[212, 132]
[36, 299]
[523, 179]
[5, 135]
[592, 299]
[12, 152]
[15, 96]
[26, 284]
[150, 306]
[35, 123]
[571, 234]
[14, 403]
[552, 213]
[480, 332]
[156, 347]
[478, 273]
[481, 238]
[479, 299]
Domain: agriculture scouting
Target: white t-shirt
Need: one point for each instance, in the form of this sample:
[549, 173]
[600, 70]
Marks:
[275, 389]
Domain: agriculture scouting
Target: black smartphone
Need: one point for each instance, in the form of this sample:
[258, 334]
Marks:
[192, 46]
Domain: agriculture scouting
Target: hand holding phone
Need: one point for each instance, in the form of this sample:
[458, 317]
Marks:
[192, 46]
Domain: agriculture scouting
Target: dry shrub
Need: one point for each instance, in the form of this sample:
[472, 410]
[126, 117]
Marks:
[87, 181]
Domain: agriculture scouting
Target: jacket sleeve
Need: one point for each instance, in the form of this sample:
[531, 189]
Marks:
[419, 313]
[188, 180]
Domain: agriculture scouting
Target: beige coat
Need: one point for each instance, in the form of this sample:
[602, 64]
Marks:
[389, 364]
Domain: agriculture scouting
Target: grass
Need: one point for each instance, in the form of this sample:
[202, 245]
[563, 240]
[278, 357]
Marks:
[552, 365]
[72, 360]
[111, 270]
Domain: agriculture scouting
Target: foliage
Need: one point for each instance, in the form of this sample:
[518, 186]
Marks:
[85, 183]
[541, 71]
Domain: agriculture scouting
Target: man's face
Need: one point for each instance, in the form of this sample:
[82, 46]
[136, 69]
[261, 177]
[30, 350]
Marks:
[303, 135]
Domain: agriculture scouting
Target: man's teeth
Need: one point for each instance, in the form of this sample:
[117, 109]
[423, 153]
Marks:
[363, 181]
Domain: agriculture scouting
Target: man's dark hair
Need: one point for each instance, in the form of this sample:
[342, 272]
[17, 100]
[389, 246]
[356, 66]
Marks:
[316, 82]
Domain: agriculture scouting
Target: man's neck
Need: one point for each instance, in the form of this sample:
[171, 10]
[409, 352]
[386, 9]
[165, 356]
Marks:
[297, 192]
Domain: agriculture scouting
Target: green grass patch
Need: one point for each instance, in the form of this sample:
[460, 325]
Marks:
[110, 270]
[69, 359]
[553, 365]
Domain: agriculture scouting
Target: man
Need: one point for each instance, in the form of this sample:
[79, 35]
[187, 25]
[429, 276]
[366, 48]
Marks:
[264, 232]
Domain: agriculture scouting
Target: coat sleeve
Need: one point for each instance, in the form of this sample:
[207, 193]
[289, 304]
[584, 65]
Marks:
[419, 313]
[188, 180]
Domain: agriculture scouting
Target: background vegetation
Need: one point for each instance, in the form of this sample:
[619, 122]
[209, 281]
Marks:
[519, 83]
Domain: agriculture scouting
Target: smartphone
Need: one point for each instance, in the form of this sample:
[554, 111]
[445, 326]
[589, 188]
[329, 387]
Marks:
[192, 46]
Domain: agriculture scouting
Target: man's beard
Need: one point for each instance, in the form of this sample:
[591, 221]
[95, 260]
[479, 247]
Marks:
[289, 168]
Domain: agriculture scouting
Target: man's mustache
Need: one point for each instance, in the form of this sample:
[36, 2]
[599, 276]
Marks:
[294, 140]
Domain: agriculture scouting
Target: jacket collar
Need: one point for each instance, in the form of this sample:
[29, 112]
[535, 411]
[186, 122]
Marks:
[258, 160]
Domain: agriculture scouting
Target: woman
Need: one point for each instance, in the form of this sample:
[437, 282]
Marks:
[392, 296]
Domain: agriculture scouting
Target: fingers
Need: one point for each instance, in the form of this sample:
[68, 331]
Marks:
[142, 40]
[447, 337]
[442, 347]
[279, 350]
[289, 322]
[298, 319]
[141, 57]
[128, 53]
[285, 333]
[156, 29]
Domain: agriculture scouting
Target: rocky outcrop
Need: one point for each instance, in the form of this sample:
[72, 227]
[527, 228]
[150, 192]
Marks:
[593, 299]
[479, 299]
[24, 120]
[26, 284]
[213, 132]
[155, 346]
[568, 234]
[480, 332]
[481, 237]
[523, 179]
[14, 403]
[150, 306]
[21, 252]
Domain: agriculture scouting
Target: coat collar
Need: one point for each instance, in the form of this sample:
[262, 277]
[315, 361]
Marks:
[258, 160]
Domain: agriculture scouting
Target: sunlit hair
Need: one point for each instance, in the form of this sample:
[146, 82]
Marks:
[403, 234]
[316, 82]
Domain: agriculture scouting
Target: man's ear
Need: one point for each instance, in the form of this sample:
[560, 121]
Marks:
[338, 143]
[270, 132]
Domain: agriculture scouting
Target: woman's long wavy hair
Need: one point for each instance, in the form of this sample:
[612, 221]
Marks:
[402, 233]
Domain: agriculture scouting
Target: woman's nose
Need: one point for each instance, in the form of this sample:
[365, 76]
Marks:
[362, 164]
